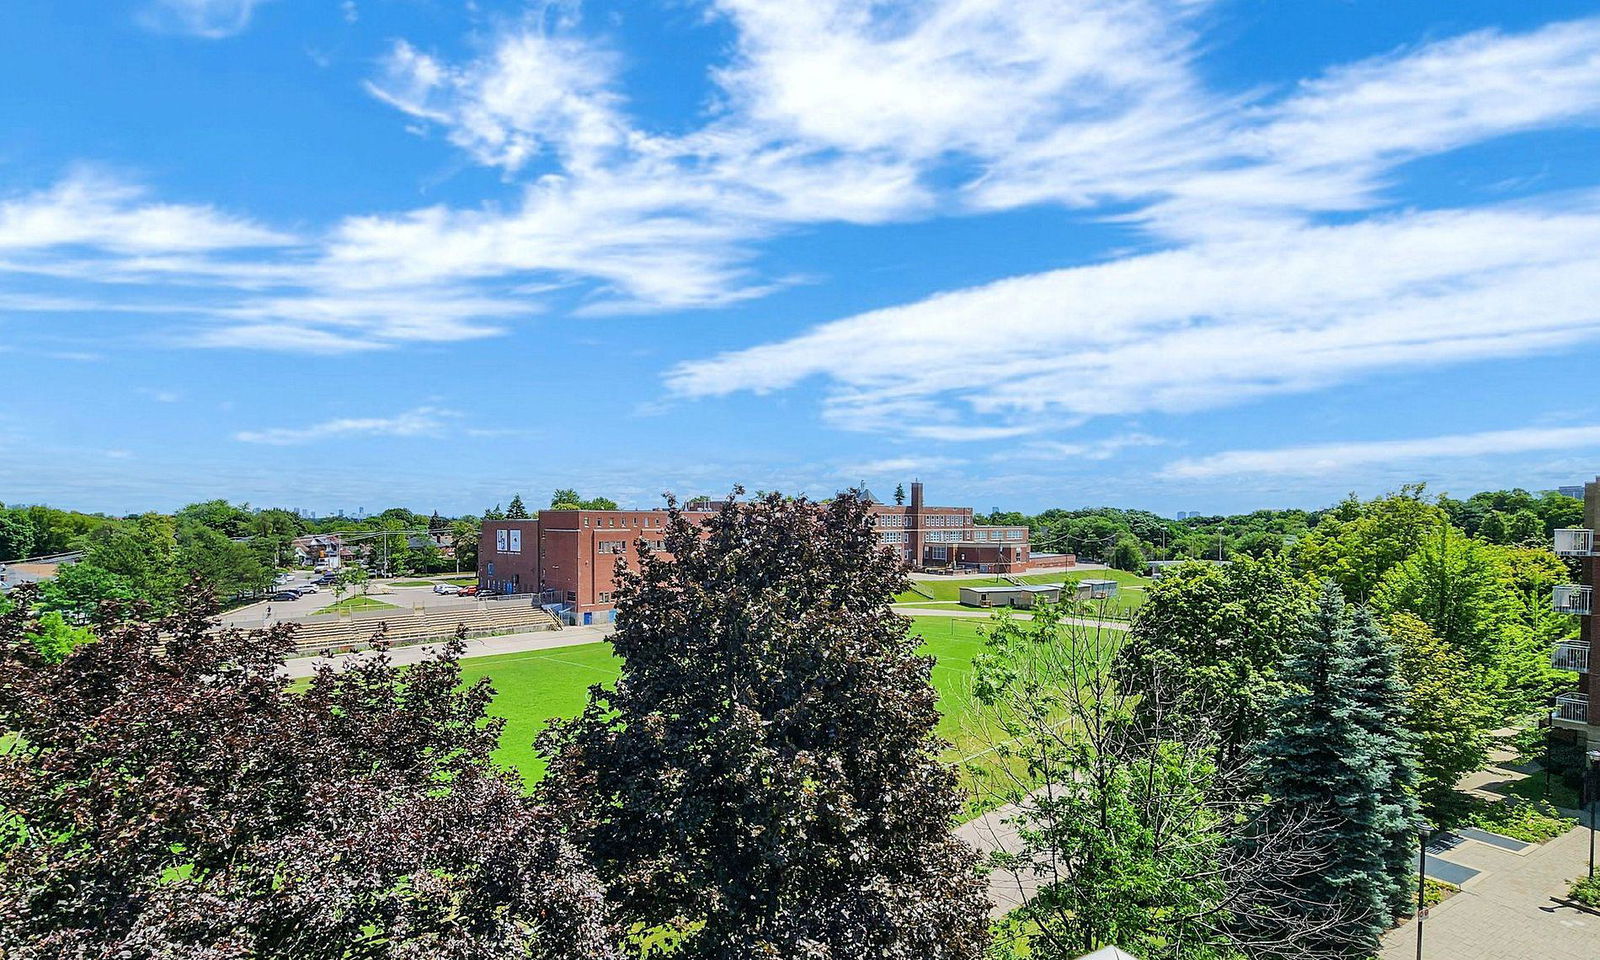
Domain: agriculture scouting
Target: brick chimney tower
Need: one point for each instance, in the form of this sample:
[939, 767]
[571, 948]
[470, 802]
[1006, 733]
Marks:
[914, 525]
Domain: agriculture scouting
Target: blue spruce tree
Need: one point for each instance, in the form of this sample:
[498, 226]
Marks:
[1380, 693]
[1327, 757]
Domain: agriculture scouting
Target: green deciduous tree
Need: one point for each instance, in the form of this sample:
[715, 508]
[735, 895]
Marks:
[764, 778]
[1357, 543]
[1138, 839]
[79, 589]
[1491, 604]
[214, 812]
[1127, 555]
[1450, 710]
[16, 535]
[1216, 636]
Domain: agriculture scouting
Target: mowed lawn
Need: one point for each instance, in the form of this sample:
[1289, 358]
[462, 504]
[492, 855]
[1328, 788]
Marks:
[531, 688]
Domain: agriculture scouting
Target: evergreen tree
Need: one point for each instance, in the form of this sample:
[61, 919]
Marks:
[764, 779]
[900, 494]
[516, 511]
[1322, 758]
[1381, 694]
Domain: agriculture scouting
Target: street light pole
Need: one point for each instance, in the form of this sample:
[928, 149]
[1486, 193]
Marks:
[1423, 832]
[1593, 782]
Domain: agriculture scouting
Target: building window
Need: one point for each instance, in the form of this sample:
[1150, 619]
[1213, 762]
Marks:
[603, 596]
[610, 546]
[490, 568]
[515, 543]
[500, 541]
[586, 521]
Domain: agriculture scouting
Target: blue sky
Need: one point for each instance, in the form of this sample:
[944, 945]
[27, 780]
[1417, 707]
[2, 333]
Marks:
[1178, 254]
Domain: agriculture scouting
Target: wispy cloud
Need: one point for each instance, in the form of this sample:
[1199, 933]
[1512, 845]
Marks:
[1337, 459]
[212, 19]
[821, 114]
[97, 211]
[420, 422]
[1101, 449]
[1208, 325]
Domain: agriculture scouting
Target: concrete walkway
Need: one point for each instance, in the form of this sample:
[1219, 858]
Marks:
[298, 667]
[1514, 909]
[991, 833]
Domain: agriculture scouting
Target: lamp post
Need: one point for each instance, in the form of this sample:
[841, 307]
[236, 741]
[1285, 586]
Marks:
[1593, 783]
[1424, 831]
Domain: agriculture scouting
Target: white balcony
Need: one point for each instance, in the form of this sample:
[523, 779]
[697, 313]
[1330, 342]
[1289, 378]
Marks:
[1571, 598]
[1574, 542]
[1571, 655]
[1572, 708]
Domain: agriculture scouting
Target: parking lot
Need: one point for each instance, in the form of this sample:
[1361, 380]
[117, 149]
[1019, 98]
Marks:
[383, 591]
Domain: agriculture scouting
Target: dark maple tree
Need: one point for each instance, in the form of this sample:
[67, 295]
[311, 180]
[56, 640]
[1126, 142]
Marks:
[164, 793]
[764, 778]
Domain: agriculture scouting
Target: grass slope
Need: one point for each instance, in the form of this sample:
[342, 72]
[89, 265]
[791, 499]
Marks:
[357, 602]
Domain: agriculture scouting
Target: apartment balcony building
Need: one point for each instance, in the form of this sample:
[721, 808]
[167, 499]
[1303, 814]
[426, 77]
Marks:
[1570, 717]
[1574, 542]
[1571, 655]
[1573, 598]
[1571, 708]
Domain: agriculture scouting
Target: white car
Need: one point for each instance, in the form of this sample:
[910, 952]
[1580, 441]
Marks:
[305, 588]
[446, 589]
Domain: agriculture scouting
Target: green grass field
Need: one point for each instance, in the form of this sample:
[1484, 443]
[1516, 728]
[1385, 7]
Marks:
[357, 602]
[532, 688]
[411, 583]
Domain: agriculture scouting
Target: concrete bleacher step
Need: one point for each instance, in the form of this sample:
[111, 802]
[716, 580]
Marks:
[407, 627]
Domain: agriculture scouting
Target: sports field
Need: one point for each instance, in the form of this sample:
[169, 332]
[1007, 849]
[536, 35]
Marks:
[533, 687]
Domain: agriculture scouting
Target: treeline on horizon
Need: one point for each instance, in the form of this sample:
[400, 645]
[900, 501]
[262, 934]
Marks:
[235, 550]
[1126, 539]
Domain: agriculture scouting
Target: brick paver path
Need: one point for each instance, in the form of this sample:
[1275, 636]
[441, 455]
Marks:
[1511, 911]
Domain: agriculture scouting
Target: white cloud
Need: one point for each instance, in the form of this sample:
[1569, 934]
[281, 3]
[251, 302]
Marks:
[1102, 449]
[893, 465]
[420, 422]
[212, 19]
[1346, 457]
[835, 111]
[1212, 324]
[88, 209]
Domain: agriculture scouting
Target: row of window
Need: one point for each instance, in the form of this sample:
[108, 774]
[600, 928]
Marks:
[626, 522]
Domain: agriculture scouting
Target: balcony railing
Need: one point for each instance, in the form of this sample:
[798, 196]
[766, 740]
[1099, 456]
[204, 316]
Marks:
[1571, 598]
[1572, 707]
[1575, 542]
[1571, 655]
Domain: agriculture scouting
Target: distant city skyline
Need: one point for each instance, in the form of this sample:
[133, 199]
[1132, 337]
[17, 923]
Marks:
[1164, 254]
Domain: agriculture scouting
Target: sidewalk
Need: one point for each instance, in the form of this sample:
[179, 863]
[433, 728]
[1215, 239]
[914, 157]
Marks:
[1512, 910]
[298, 667]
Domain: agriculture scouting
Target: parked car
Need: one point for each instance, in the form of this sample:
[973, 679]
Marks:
[326, 579]
[446, 589]
[306, 588]
[468, 591]
[285, 595]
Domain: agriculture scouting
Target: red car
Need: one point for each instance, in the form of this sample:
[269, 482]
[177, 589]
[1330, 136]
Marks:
[468, 592]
